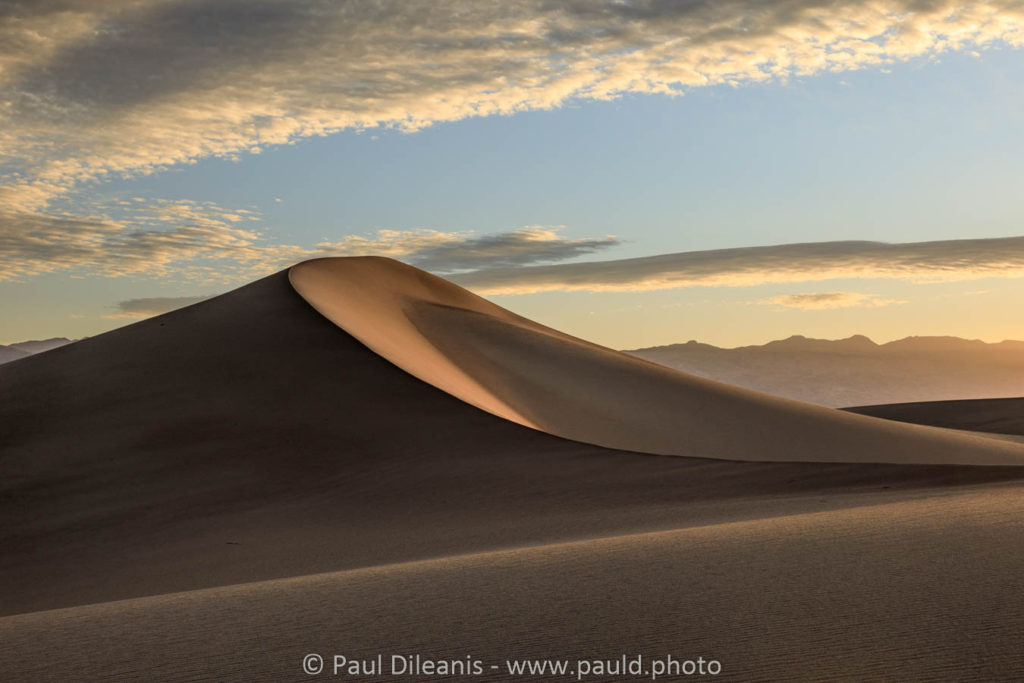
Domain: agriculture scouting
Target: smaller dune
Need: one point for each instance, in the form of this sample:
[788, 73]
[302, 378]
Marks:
[988, 415]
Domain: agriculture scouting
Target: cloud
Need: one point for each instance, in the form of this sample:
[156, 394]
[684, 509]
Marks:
[145, 308]
[826, 300]
[439, 252]
[210, 243]
[90, 90]
[524, 246]
[123, 239]
[917, 261]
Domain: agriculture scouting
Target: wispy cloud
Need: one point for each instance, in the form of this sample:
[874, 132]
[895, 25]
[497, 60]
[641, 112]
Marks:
[206, 241]
[525, 246]
[93, 88]
[214, 244]
[436, 251]
[826, 300]
[125, 87]
[918, 261]
[128, 238]
[145, 308]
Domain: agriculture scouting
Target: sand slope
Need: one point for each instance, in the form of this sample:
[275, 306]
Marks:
[541, 378]
[150, 475]
[993, 415]
[854, 595]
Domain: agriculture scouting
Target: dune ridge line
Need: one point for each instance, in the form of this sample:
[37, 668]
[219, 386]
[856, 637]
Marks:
[533, 375]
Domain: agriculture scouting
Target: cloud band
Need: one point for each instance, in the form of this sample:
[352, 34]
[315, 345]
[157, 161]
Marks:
[919, 261]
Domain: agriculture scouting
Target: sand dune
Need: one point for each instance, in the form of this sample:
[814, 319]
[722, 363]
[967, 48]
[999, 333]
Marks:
[994, 415]
[542, 378]
[215, 492]
[247, 438]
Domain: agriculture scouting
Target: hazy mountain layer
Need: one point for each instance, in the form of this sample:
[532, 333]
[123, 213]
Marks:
[857, 371]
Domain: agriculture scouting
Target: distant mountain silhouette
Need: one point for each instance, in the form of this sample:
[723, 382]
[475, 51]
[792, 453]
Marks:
[858, 342]
[857, 371]
[41, 345]
[28, 348]
[9, 353]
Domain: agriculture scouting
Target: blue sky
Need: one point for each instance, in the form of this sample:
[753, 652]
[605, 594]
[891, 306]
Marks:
[925, 150]
[923, 146]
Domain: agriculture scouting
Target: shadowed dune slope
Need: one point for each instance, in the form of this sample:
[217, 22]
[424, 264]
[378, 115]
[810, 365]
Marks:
[991, 415]
[541, 378]
[247, 438]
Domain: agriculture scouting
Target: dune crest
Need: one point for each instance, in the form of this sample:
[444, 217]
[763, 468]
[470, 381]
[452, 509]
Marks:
[550, 381]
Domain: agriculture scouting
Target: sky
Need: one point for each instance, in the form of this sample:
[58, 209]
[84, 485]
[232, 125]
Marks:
[635, 173]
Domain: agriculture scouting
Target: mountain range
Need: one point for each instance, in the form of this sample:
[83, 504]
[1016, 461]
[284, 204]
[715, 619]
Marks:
[28, 348]
[857, 371]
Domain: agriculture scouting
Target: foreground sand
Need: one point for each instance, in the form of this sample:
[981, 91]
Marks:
[918, 590]
[216, 492]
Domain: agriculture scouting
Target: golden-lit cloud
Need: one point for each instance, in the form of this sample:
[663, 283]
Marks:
[813, 301]
[947, 260]
[93, 89]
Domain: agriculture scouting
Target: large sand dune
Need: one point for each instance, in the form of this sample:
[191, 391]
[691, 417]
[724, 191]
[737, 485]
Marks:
[214, 493]
[542, 378]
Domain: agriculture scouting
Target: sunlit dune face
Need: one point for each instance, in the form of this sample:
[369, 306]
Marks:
[364, 299]
[542, 378]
